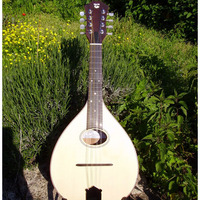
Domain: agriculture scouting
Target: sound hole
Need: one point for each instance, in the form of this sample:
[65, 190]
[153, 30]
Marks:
[94, 137]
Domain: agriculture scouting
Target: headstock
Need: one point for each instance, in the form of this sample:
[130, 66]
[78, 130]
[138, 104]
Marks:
[96, 16]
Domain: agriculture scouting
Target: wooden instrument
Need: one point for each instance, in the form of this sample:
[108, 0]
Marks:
[94, 158]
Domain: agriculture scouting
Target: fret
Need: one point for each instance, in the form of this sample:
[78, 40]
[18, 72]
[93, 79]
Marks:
[91, 51]
[93, 68]
[96, 57]
[95, 61]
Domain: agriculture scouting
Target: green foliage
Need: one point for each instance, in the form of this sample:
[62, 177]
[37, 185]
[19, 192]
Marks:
[64, 9]
[179, 17]
[70, 9]
[160, 131]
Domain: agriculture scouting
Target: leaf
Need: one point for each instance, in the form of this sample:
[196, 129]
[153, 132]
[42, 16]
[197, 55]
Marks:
[169, 101]
[130, 3]
[175, 92]
[122, 108]
[189, 15]
[148, 137]
[162, 148]
[182, 95]
[158, 167]
[171, 185]
[185, 190]
[180, 119]
[184, 110]
[162, 95]
[183, 104]
[171, 97]
[171, 161]
[152, 117]
[170, 135]
[153, 98]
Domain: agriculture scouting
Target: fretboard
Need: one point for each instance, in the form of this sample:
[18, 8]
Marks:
[94, 112]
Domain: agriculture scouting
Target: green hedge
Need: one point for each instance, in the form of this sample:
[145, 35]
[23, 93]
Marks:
[178, 17]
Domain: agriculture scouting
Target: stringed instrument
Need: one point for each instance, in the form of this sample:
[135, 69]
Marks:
[94, 158]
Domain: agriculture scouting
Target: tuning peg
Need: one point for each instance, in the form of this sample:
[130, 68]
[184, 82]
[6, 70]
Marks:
[82, 33]
[82, 13]
[109, 33]
[109, 26]
[82, 20]
[111, 14]
[109, 20]
[82, 26]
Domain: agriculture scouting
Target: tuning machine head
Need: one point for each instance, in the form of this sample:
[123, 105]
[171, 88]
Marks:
[82, 13]
[111, 14]
[82, 26]
[109, 20]
[82, 20]
[109, 26]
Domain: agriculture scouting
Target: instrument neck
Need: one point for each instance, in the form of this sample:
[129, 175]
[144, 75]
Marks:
[94, 114]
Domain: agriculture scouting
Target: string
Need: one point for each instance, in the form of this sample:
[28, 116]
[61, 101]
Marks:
[94, 108]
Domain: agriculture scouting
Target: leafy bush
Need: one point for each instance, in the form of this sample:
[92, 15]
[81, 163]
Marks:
[178, 17]
[158, 118]
[159, 128]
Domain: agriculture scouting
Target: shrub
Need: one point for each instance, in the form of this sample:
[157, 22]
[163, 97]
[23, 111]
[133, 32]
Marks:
[178, 17]
[159, 128]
